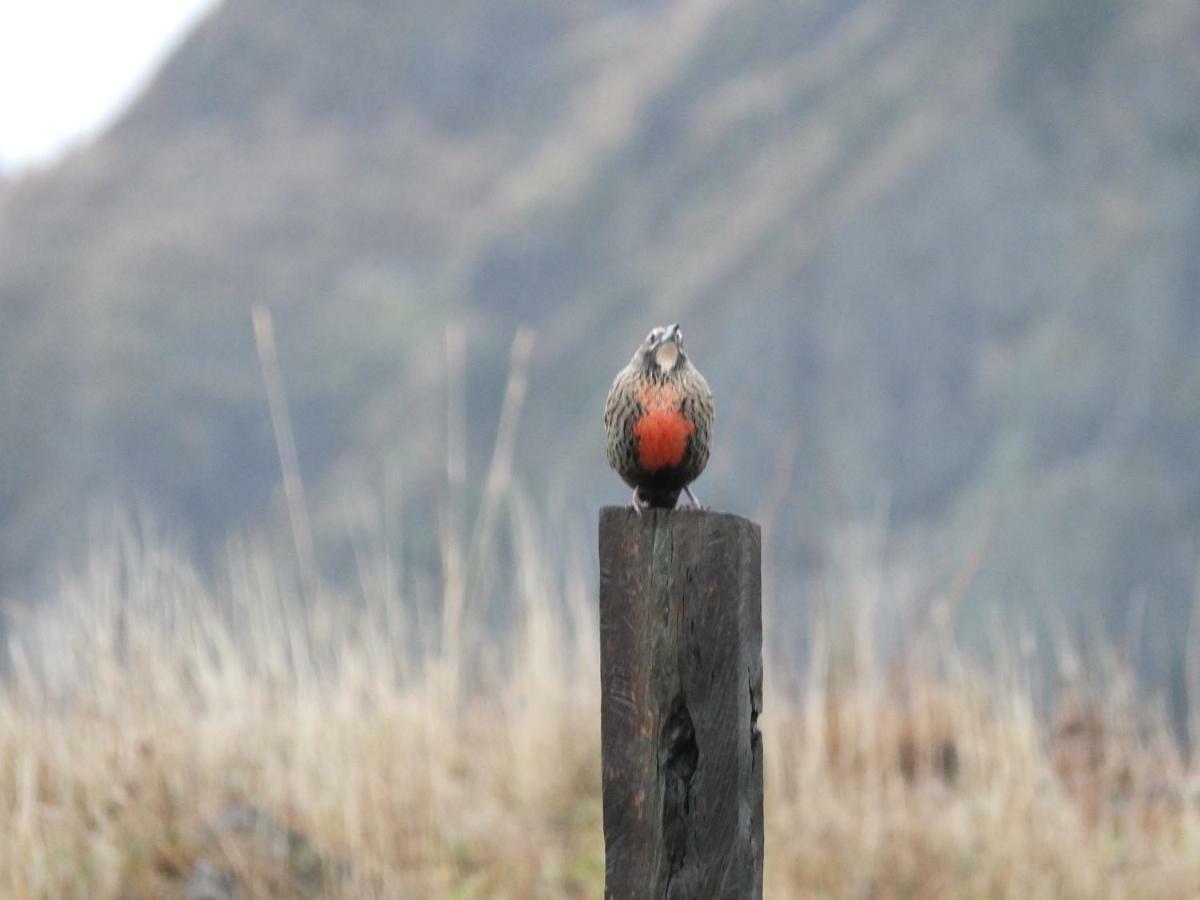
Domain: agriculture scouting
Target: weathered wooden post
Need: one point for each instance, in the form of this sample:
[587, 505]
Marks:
[681, 681]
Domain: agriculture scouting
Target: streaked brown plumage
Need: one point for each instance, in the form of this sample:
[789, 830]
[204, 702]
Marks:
[658, 421]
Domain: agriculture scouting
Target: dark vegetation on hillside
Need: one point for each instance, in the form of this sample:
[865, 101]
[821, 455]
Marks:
[938, 260]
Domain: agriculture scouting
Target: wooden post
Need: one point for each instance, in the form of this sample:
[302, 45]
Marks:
[681, 682]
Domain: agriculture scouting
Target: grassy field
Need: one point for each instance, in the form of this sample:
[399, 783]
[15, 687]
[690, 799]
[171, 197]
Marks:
[167, 736]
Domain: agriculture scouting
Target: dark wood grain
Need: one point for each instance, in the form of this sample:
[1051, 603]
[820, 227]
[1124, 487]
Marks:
[681, 681]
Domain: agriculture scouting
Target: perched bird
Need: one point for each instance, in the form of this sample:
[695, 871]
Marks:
[658, 421]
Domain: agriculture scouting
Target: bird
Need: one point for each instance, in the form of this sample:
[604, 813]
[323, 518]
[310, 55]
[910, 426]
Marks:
[658, 421]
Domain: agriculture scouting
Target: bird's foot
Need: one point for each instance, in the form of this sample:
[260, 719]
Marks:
[638, 503]
[692, 498]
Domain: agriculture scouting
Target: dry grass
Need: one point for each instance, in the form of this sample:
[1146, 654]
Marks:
[147, 713]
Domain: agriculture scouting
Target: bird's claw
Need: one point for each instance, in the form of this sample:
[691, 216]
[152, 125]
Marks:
[693, 499]
[638, 503]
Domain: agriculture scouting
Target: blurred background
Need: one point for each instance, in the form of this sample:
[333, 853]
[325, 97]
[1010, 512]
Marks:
[940, 262]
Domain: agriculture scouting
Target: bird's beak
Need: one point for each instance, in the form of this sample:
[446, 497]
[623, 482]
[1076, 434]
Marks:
[666, 350]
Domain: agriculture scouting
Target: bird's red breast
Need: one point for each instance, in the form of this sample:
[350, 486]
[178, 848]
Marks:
[662, 430]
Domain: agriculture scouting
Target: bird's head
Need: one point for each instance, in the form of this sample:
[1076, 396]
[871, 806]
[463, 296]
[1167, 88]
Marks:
[661, 351]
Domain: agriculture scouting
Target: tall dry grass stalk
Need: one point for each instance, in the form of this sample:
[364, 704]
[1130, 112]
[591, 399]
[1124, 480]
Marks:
[285, 444]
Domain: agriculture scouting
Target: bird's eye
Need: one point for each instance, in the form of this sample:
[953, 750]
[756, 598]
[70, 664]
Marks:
[651, 336]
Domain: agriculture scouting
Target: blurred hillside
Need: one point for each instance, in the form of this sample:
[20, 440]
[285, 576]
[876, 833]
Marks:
[938, 261]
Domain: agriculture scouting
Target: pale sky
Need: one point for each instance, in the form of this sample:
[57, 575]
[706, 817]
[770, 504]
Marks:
[68, 67]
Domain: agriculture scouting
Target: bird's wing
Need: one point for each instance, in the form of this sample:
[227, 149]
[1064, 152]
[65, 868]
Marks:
[619, 419]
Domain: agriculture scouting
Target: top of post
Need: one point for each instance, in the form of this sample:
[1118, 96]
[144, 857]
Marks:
[628, 517]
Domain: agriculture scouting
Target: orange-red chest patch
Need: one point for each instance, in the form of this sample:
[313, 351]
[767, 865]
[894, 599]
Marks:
[662, 431]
